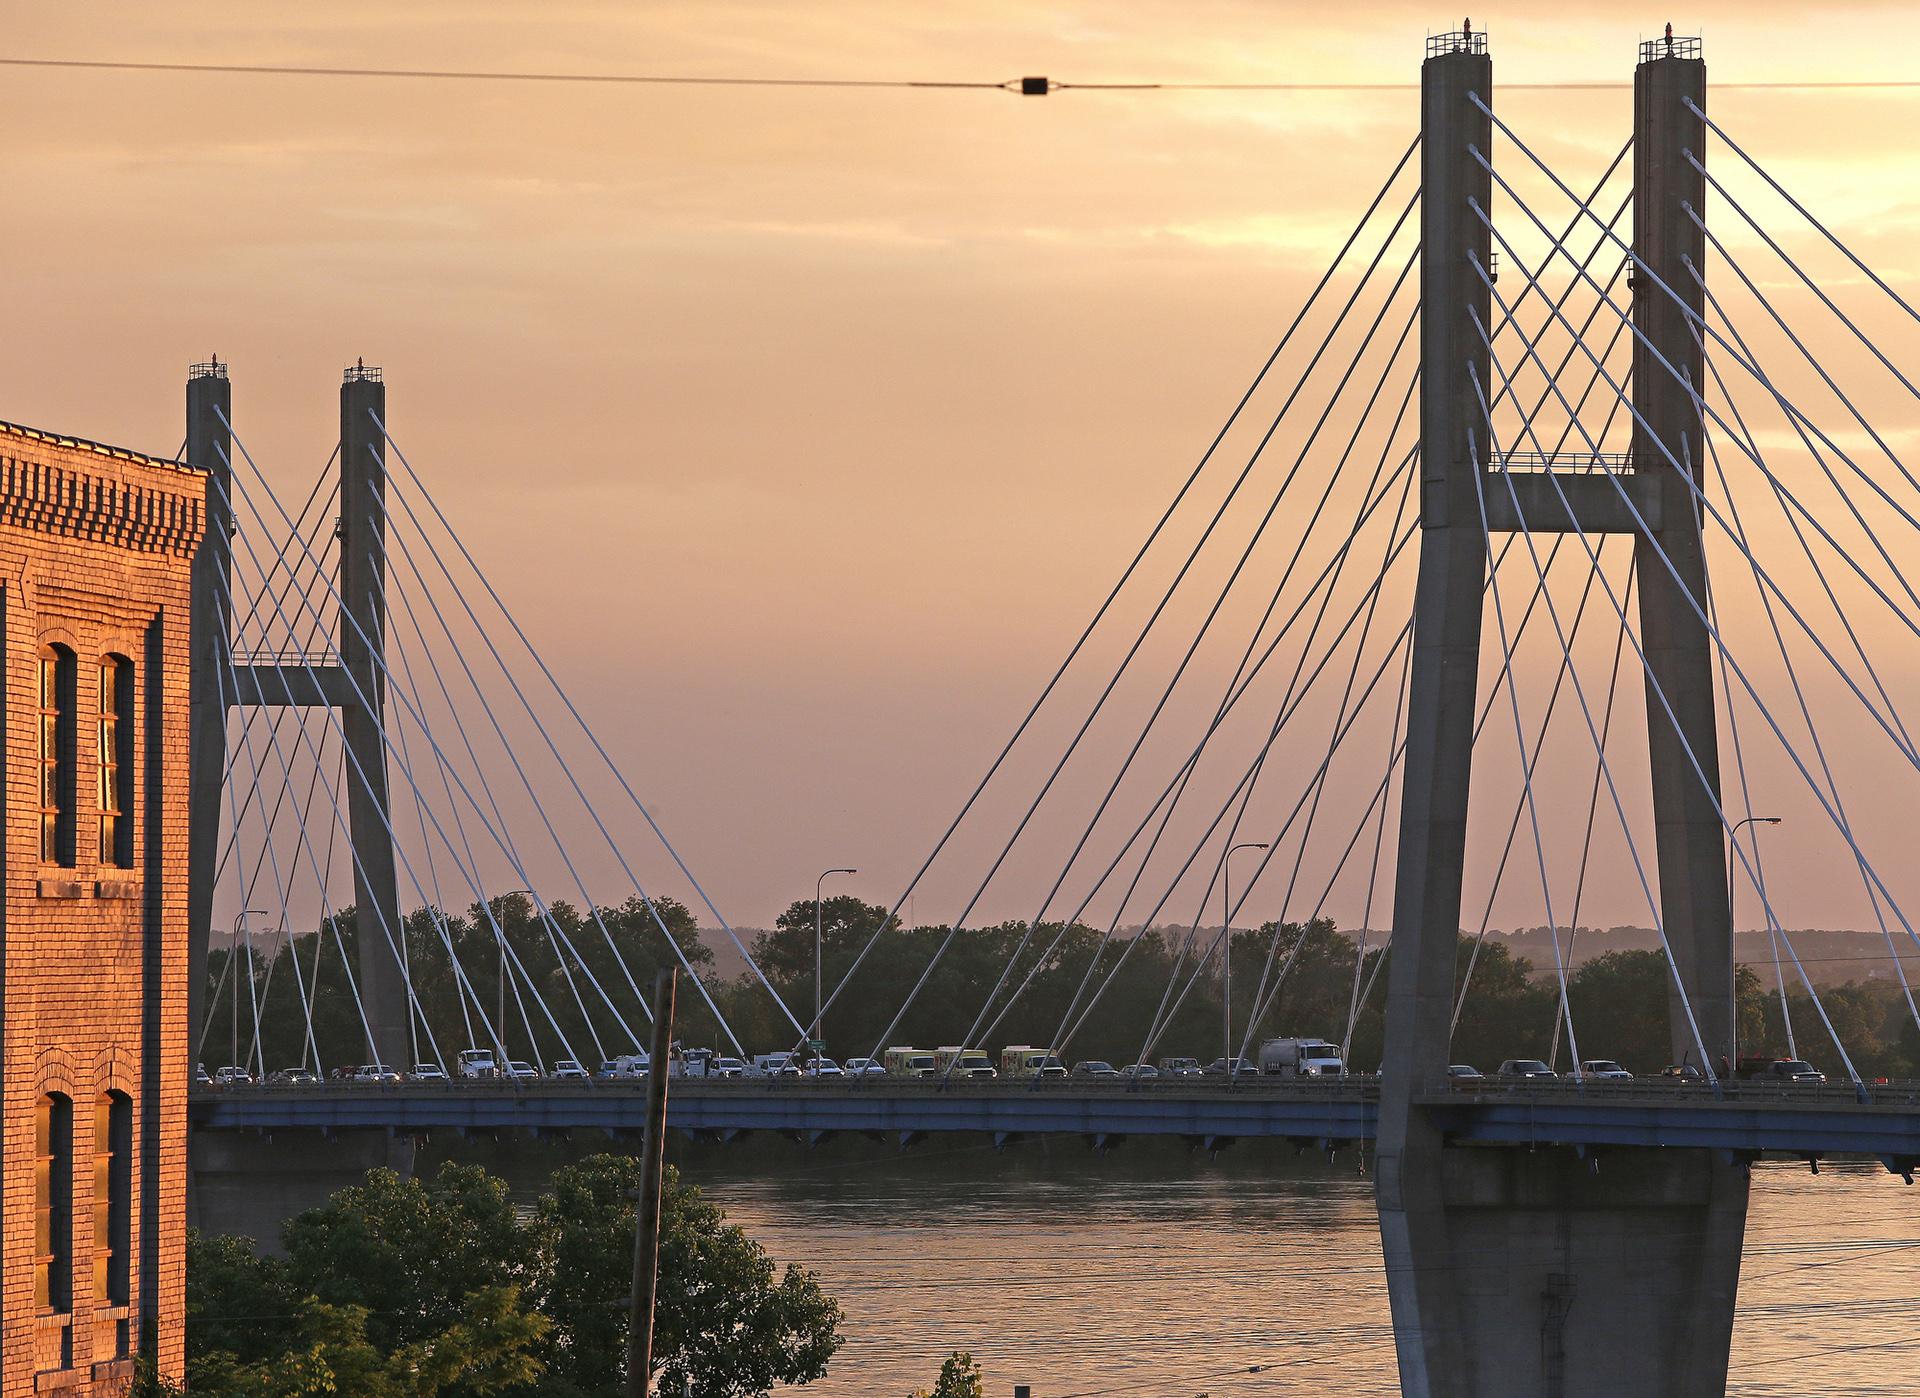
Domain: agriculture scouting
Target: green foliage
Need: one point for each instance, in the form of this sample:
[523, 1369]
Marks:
[1300, 976]
[400, 1288]
[336, 1021]
[725, 1324]
[411, 1252]
[960, 1377]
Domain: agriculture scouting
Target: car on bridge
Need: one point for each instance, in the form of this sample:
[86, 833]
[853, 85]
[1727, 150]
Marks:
[1794, 1070]
[866, 1068]
[568, 1068]
[1140, 1072]
[1605, 1070]
[1095, 1068]
[522, 1071]
[292, 1077]
[1682, 1074]
[824, 1067]
[428, 1072]
[375, 1072]
[1231, 1067]
[1525, 1070]
[201, 1077]
[1464, 1073]
[1180, 1068]
[773, 1065]
[726, 1066]
[233, 1076]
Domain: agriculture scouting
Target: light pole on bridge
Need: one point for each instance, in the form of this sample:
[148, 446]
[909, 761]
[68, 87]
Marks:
[506, 1069]
[240, 929]
[1226, 956]
[1733, 939]
[819, 953]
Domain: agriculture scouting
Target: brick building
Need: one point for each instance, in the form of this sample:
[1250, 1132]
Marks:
[96, 546]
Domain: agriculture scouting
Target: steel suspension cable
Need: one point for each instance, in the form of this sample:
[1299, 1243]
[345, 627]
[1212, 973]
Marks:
[1800, 208]
[1153, 618]
[361, 698]
[1513, 701]
[1653, 683]
[551, 922]
[1178, 783]
[1160, 525]
[1586, 711]
[1593, 795]
[1213, 613]
[1750, 447]
[1813, 733]
[1706, 504]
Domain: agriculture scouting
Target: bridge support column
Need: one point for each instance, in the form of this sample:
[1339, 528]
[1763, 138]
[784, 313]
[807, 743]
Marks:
[209, 442]
[363, 576]
[1440, 713]
[1689, 837]
[1517, 1273]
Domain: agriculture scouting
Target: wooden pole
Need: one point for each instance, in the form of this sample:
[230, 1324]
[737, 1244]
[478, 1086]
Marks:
[646, 1214]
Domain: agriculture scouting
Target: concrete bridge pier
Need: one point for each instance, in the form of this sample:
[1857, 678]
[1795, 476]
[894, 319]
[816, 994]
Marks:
[251, 1182]
[1538, 1274]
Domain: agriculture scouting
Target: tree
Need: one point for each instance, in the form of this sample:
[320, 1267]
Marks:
[399, 1288]
[251, 1333]
[412, 1253]
[725, 1325]
[960, 1377]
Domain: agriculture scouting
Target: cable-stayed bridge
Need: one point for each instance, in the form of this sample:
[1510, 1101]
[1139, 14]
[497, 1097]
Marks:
[1513, 398]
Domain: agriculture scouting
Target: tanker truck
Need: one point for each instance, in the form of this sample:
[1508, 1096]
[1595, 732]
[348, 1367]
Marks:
[1300, 1058]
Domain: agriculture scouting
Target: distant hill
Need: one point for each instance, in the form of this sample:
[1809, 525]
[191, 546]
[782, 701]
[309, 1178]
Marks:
[1830, 957]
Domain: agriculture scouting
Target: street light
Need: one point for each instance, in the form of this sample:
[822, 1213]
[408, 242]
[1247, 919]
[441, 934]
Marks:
[240, 929]
[819, 956]
[1733, 961]
[501, 932]
[1226, 956]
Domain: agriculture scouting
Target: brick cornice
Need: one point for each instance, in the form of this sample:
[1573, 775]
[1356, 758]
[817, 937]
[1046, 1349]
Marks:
[82, 490]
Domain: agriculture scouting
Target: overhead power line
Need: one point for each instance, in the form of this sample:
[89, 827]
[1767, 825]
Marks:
[1031, 86]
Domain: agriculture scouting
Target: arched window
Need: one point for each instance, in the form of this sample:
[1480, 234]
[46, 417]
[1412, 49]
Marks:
[53, 1205]
[114, 757]
[113, 1208]
[56, 753]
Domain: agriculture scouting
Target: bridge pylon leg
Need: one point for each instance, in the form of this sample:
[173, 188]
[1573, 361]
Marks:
[363, 627]
[1534, 1273]
[209, 443]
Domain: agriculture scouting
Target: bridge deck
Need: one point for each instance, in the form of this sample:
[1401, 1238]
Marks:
[1798, 1121]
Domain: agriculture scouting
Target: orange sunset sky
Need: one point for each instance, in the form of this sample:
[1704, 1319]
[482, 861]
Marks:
[805, 428]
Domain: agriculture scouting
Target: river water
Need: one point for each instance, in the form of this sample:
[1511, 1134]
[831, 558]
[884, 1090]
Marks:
[1150, 1272]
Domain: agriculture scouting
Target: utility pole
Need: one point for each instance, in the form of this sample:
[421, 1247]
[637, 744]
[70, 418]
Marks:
[646, 1214]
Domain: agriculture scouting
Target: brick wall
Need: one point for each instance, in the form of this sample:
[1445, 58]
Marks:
[95, 553]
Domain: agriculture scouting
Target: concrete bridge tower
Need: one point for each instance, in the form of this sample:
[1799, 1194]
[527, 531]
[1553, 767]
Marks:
[355, 687]
[1540, 1274]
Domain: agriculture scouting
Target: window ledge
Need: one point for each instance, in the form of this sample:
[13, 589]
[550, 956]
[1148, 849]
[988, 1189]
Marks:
[52, 1380]
[116, 888]
[62, 888]
[113, 1369]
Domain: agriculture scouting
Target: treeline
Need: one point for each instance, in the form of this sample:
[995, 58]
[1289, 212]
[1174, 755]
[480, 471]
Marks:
[571, 992]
